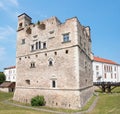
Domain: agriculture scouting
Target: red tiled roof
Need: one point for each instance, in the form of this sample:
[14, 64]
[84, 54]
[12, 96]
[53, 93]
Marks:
[11, 67]
[98, 59]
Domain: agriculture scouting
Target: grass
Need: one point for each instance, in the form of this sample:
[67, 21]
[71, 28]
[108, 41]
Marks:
[107, 104]
[4, 96]
[9, 109]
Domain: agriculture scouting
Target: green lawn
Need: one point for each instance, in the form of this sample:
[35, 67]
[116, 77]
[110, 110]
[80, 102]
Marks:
[107, 104]
[8, 109]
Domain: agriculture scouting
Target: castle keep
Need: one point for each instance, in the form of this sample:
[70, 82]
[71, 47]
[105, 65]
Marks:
[53, 59]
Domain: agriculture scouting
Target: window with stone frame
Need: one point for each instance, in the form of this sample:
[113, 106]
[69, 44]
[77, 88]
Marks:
[53, 83]
[23, 41]
[66, 37]
[50, 62]
[39, 45]
[36, 45]
[32, 47]
[44, 45]
[32, 65]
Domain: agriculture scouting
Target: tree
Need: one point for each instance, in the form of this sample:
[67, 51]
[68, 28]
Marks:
[2, 77]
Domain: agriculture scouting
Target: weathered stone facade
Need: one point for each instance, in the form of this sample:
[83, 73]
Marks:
[53, 59]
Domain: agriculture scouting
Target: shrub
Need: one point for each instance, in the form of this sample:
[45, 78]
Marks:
[38, 101]
[2, 77]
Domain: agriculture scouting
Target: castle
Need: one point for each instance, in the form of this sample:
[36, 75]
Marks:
[53, 59]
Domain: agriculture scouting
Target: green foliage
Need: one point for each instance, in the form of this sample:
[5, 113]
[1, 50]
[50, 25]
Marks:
[2, 77]
[38, 101]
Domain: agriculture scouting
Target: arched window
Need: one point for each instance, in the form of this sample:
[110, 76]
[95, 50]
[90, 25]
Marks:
[50, 62]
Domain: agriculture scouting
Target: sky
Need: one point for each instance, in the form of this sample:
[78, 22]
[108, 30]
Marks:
[103, 17]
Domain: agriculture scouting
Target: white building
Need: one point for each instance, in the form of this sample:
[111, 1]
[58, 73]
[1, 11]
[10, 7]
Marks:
[10, 73]
[105, 70]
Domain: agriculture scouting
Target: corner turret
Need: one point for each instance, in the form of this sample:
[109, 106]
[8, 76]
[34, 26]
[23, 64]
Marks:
[23, 21]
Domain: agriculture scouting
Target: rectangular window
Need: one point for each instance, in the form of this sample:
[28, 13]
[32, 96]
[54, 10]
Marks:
[97, 73]
[32, 47]
[39, 45]
[66, 37]
[111, 76]
[115, 75]
[44, 45]
[104, 68]
[105, 76]
[36, 45]
[53, 83]
[23, 41]
[32, 65]
[97, 67]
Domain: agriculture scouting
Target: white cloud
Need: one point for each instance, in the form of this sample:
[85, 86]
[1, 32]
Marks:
[5, 32]
[9, 5]
[14, 2]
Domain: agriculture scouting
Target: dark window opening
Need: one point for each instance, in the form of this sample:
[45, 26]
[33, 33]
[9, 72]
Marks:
[50, 63]
[28, 82]
[20, 25]
[53, 84]
[44, 45]
[32, 47]
[66, 51]
[55, 53]
[36, 55]
[32, 65]
[39, 45]
[36, 45]
[23, 41]
[45, 54]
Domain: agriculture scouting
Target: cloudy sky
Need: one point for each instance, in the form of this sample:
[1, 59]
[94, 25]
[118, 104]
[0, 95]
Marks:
[102, 16]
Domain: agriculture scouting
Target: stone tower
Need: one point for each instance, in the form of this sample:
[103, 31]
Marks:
[53, 59]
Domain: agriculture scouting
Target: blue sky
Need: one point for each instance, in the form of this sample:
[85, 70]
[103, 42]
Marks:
[103, 17]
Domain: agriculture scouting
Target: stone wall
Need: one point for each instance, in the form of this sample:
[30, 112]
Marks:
[67, 63]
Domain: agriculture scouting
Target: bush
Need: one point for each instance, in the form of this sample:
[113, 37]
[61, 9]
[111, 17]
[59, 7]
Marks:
[2, 77]
[38, 101]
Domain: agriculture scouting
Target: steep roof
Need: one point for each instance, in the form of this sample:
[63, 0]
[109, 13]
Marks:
[102, 60]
